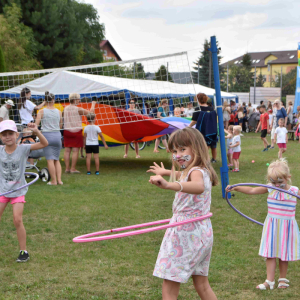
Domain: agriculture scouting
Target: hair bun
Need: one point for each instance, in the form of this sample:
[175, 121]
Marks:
[47, 93]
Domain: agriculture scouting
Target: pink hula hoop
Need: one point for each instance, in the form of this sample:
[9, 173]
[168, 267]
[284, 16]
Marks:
[89, 237]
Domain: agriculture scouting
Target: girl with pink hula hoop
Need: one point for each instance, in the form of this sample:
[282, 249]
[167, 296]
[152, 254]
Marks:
[186, 250]
[13, 159]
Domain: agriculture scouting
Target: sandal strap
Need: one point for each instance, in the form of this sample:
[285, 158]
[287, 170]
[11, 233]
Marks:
[284, 280]
[270, 283]
[283, 284]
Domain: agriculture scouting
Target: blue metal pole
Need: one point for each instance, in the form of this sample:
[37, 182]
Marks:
[237, 99]
[171, 105]
[144, 107]
[127, 98]
[224, 168]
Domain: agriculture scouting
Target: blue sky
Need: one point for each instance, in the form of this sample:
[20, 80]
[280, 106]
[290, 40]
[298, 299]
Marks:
[138, 29]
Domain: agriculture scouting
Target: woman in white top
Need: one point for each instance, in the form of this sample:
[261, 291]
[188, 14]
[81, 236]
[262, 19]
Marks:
[26, 107]
[73, 137]
[51, 119]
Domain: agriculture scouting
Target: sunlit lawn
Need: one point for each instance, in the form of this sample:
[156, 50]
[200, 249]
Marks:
[122, 269]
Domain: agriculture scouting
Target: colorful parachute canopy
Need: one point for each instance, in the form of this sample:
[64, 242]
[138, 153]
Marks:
[119, 131]
[179, 123]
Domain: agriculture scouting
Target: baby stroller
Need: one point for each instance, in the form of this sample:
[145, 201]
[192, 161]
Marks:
[37, 155]
[253, 121]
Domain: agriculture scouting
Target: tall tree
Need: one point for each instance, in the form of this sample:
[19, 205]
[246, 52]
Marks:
[67, 32]
[241, 77]
[203, 62]
[17, 41]
[288, 82]
[2, 61]
[260, 80]
[161, 74]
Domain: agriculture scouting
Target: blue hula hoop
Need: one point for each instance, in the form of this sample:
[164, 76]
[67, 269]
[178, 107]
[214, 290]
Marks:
[25, 185]
[254, 184]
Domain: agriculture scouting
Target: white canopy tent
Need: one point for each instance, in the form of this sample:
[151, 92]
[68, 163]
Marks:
[63, 83]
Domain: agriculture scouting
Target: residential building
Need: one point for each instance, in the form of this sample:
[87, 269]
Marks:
[269, 64]
[109, 53]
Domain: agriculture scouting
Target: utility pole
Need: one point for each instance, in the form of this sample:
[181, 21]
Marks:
[199, 72]
[227, 76]
[254, 84]
[134, 65]
[281, 84]
[167, 71]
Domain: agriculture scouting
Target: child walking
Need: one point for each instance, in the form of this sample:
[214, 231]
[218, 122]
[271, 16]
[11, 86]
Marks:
[186, 250]
[264, 124]
[236, 147]
[13, 159]
[91, 144]
[280, 236]
[229, 138]
[281, 136]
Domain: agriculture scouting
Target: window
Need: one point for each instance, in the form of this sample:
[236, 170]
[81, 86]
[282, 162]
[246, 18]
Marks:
[292, 56]
[253, 61]
[265, 77]
[236, 62]
[105, 52]
[258, 61]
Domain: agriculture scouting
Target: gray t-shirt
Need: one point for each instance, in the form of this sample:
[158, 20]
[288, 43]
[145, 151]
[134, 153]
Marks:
[134, 110]
[12, 170]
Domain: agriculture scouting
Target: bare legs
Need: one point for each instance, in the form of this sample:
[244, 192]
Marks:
[229, 157]
[271, 267]
[75, 152]
[18, 222]
[266, 143]
[55, 171]
[203, 288]
[280, 152]
[170, 289]
[157, 141]
[136, 147]
[236, 164]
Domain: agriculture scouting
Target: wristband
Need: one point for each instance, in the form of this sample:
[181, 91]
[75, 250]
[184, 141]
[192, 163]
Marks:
[181, 187]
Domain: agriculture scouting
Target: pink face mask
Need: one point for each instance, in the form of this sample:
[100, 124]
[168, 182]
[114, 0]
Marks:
[184, 157]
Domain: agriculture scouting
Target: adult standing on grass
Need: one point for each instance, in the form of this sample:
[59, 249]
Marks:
[281, 112]
[203, 106]
[51, 119]
[13, 159]
[4, 110]
[161, 113]
[132, 108]
[73, 138]
[26, 107]
[226, 114]
[290, 114]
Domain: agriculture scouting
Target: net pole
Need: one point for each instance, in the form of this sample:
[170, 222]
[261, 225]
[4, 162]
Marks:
[224, 168]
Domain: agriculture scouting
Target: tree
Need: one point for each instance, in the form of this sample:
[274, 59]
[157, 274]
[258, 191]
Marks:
[241, 77]
[66, 32]
[139, 71]
[203, 62]
[161, 74]
[260, 80]
[2, 61]
[288, 82]
[17, 41]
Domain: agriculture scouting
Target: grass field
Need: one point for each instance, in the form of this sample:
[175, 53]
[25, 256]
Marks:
[122, 269]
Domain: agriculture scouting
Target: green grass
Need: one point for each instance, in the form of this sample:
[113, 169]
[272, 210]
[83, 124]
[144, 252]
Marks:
[122, 269]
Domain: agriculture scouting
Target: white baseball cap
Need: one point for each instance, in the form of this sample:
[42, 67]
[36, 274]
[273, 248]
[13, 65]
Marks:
[8, 125]
[10, 102]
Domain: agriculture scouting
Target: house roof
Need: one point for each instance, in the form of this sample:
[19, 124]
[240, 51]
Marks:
[258, 58]
[107, 43]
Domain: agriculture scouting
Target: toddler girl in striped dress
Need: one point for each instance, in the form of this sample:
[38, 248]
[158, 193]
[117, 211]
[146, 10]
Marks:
[280, 236]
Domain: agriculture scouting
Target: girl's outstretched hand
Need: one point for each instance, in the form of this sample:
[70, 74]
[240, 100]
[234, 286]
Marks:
[158, 181]
[32, 126]
[157, 170]
[228, 189]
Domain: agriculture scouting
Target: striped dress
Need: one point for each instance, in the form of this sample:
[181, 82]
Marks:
[280, 236]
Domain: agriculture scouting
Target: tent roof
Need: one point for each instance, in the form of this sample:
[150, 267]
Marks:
[63, 83]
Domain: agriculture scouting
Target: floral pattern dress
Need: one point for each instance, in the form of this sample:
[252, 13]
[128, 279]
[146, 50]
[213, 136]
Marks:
[186, 249]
